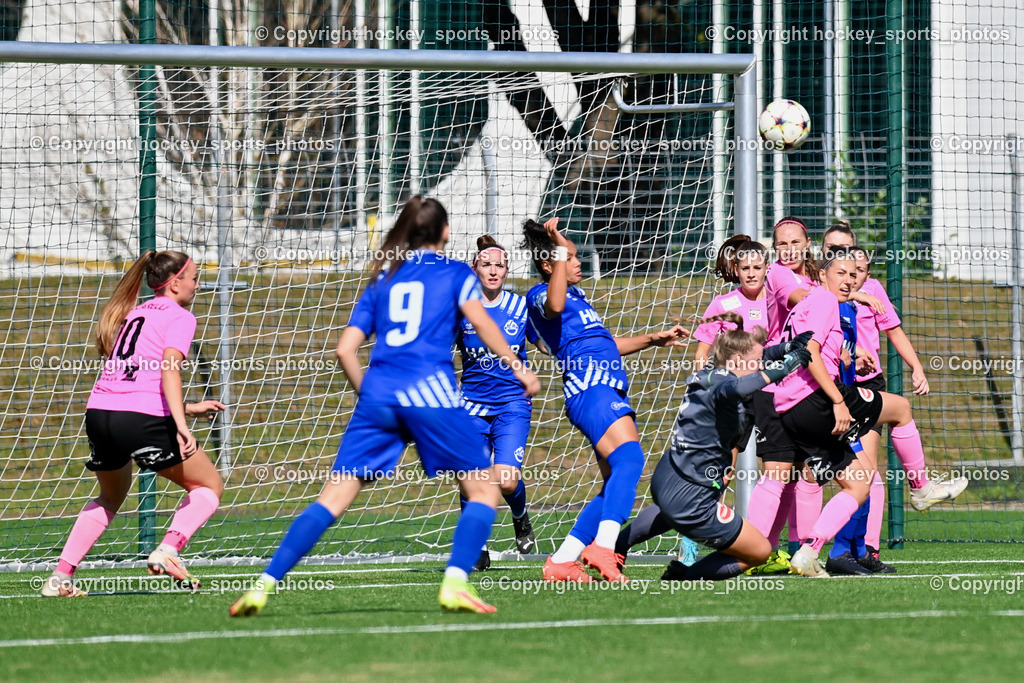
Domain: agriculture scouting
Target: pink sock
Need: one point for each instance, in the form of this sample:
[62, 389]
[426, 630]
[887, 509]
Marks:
[906, 441]
[873, 535]
[808, 507]
[92, 521]
[197, 507]
[835, 515]
[784, 513]
[764, 504]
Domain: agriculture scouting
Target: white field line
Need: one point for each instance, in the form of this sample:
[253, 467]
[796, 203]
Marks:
[167, 638]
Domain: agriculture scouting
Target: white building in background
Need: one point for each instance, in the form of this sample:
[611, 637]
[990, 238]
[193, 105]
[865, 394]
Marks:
[977, 116]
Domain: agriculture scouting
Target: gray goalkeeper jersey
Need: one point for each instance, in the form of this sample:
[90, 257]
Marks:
[709, 423]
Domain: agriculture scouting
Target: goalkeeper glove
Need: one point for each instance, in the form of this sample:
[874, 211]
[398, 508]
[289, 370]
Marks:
[793, 361]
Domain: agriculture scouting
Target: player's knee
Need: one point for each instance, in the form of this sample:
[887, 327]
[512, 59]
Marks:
[627, 460]
[760, 551]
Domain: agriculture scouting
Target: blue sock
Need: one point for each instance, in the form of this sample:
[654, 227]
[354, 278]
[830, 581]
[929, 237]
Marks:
[585, 528]
[462, 502]
[302, 535]
[843, 541]
[471, 533]
[517, 500]
[858, 547]
[627, 464]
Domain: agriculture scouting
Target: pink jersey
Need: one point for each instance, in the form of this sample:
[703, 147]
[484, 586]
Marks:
[780, 282]
[869, 323]
[753, 313]
[818, 312]
[131, 376]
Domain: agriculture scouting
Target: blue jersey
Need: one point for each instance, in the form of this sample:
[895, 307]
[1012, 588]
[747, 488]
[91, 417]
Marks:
[848, 323]
[585, 349]
[485, 378]
[415, 315]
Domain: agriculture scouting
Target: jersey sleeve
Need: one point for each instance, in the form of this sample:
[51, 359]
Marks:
[782, 282]
[540, 300]
[181, 332]
[708, 331]
[890, 319]
[467, 286]
[364, 314]
[727, 387]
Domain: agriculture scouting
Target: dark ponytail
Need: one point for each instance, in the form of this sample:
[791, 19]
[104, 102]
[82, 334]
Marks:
[421, 223]
[539, 243]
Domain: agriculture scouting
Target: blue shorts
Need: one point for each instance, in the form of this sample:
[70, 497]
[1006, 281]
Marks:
[505, 429]
[445, 439]
[596, 408]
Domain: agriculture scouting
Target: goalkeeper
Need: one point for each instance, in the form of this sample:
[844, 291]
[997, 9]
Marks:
[690, 478]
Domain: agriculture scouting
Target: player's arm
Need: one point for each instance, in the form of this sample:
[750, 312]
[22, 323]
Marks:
[348, 355]
[669, 337]
[873, 302]
[796, 296]
[170, 383]
[490, 335]
[558, 283]
[700, 359]
[902, 344]
[727, 387]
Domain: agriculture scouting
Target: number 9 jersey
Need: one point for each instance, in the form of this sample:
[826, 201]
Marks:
[415, 315]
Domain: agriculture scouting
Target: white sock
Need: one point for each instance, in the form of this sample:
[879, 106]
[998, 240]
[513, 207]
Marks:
[607, 534]
[569, 551]
[268, 581]
[168, 549]
[455, 573]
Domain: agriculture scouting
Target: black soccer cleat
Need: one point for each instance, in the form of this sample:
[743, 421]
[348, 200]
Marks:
[483, 563]
[525, 540]
[873, 564]
[675, 571]
[845, 565]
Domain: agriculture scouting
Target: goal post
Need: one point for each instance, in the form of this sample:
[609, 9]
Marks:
[279, 176]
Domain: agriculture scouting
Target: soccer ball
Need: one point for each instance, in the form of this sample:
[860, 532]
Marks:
[784, 125]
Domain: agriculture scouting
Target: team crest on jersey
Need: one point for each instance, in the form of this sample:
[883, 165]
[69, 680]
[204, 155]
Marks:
[511, 328]
[725, 513]
[866, 394]
[755, 313]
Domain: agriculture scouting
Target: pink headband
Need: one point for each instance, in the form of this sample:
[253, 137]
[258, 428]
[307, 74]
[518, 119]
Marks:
[488, 249]
[175, 276]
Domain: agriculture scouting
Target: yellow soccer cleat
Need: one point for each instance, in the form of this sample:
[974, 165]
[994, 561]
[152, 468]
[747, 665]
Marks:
[457, 595]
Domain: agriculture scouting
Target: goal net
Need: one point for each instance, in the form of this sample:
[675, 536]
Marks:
[279, 181]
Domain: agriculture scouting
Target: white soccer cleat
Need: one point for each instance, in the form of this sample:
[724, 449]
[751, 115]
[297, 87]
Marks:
[61, 586]
[161, 562]
[937, 491]
[805, 562]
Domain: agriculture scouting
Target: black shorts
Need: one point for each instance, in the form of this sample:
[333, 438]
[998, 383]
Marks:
[810, 423]
[876, 384]
[694, 510]
[773, 441]
[117, 436]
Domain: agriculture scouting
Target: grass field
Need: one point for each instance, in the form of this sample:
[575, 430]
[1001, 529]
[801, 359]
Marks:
[381, 622]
